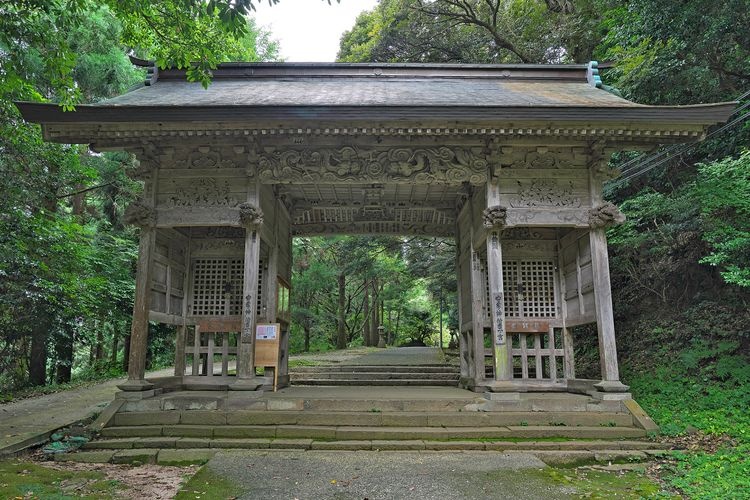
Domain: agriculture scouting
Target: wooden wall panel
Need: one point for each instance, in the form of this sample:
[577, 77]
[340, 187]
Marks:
[168, 275]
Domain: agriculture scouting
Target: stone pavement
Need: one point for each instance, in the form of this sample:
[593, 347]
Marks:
[387, 475]
[31, 421]
[409, 356]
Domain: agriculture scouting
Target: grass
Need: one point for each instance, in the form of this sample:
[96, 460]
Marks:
[591, 483]
[208, 485]
[19, 479]
[710, 412]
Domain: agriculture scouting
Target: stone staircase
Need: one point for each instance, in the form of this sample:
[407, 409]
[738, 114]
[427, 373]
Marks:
[574, 427]
[380, 375]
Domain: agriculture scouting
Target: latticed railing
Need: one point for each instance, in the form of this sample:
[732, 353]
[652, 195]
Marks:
[531, 308]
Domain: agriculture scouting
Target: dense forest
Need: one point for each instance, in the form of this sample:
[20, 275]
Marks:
[680, 263]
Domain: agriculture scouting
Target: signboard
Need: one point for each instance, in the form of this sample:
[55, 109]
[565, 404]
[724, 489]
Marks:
[267, 332]
[267, 348]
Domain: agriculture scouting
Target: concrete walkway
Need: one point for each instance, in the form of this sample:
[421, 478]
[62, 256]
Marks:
[31, 421]
[409, 356]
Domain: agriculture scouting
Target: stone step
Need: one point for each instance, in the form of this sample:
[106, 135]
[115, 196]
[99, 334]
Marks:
[394, 382]
[375, 368]
[374, 418]
[370, 376]
[367, 444]
[371, 432]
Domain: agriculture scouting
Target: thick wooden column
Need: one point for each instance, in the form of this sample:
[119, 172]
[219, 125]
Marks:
[605, 320]
[144, 216]
[251, 218]
[460, 281]
[496, 301]
[477, 318]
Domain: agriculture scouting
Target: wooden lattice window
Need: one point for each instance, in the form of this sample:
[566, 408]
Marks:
[529, 288]
[217, 287]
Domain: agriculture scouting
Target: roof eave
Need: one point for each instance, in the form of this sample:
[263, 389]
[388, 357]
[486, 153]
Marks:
[702, 114]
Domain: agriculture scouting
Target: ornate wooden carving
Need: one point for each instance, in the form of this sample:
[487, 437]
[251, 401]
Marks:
[203, 192]
[373, 227]
[495, 217]
[521, 233]
[250, 215]
[204, 157]
[348, 164]
[140, 214]
[605, 215]
[545, 193]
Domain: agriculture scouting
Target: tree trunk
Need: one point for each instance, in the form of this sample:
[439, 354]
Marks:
[38, 355]
[341, 321]
[100, 343]
[115, 346]
[367, 340]
[374, 314]
[64, 354]
[126, 354]
[306, 329]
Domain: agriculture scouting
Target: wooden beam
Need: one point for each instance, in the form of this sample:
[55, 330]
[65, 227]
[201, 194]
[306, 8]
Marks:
[496, 300]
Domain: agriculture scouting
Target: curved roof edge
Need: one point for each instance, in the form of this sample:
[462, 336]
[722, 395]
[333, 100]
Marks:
[697, 114]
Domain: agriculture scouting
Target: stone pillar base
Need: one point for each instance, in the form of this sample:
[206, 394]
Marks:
[611, 386]
[135, 395]
[135, 386]
[247, 384]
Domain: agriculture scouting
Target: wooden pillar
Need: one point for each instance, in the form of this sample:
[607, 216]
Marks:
[144, 216]
[251, 218]
[179, 350]
[495, 301]
[461, 280]
[605, 321]
[477, 317]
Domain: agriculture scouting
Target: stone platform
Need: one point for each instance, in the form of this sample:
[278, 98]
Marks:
[370, 418]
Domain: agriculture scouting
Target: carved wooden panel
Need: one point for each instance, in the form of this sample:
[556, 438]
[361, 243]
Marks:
[440, 165]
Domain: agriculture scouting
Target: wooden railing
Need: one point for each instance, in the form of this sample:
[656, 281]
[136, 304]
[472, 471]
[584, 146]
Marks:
[210, 347]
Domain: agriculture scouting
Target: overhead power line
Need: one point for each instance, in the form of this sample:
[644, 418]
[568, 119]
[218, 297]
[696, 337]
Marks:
[645, 163]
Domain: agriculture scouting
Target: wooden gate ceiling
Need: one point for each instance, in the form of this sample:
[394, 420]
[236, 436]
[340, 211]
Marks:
[368, 148]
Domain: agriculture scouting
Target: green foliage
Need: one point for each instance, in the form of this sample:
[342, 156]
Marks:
[668, 52]
[494, 31]
[724, 190]
[66, 261]
[404, 276]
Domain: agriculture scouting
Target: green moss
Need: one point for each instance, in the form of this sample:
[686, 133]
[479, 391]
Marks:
[29, 480]
[206, 484]
[590, 483]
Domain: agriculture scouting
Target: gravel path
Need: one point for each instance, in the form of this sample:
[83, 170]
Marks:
[387, 475]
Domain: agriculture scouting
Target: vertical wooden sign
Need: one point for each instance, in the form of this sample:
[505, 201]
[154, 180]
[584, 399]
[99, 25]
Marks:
[267, 347]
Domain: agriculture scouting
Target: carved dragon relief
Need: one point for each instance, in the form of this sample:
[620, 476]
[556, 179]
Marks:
[605, 215]
[408, 165]
[250, 215]
[140, 214]
[203, 192]
[495, 217]
[545, 193]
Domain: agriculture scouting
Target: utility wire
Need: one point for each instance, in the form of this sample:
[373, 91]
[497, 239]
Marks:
[638, 162]
[654, 160]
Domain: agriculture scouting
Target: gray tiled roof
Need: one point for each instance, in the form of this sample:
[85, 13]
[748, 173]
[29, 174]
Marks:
[369, 91]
